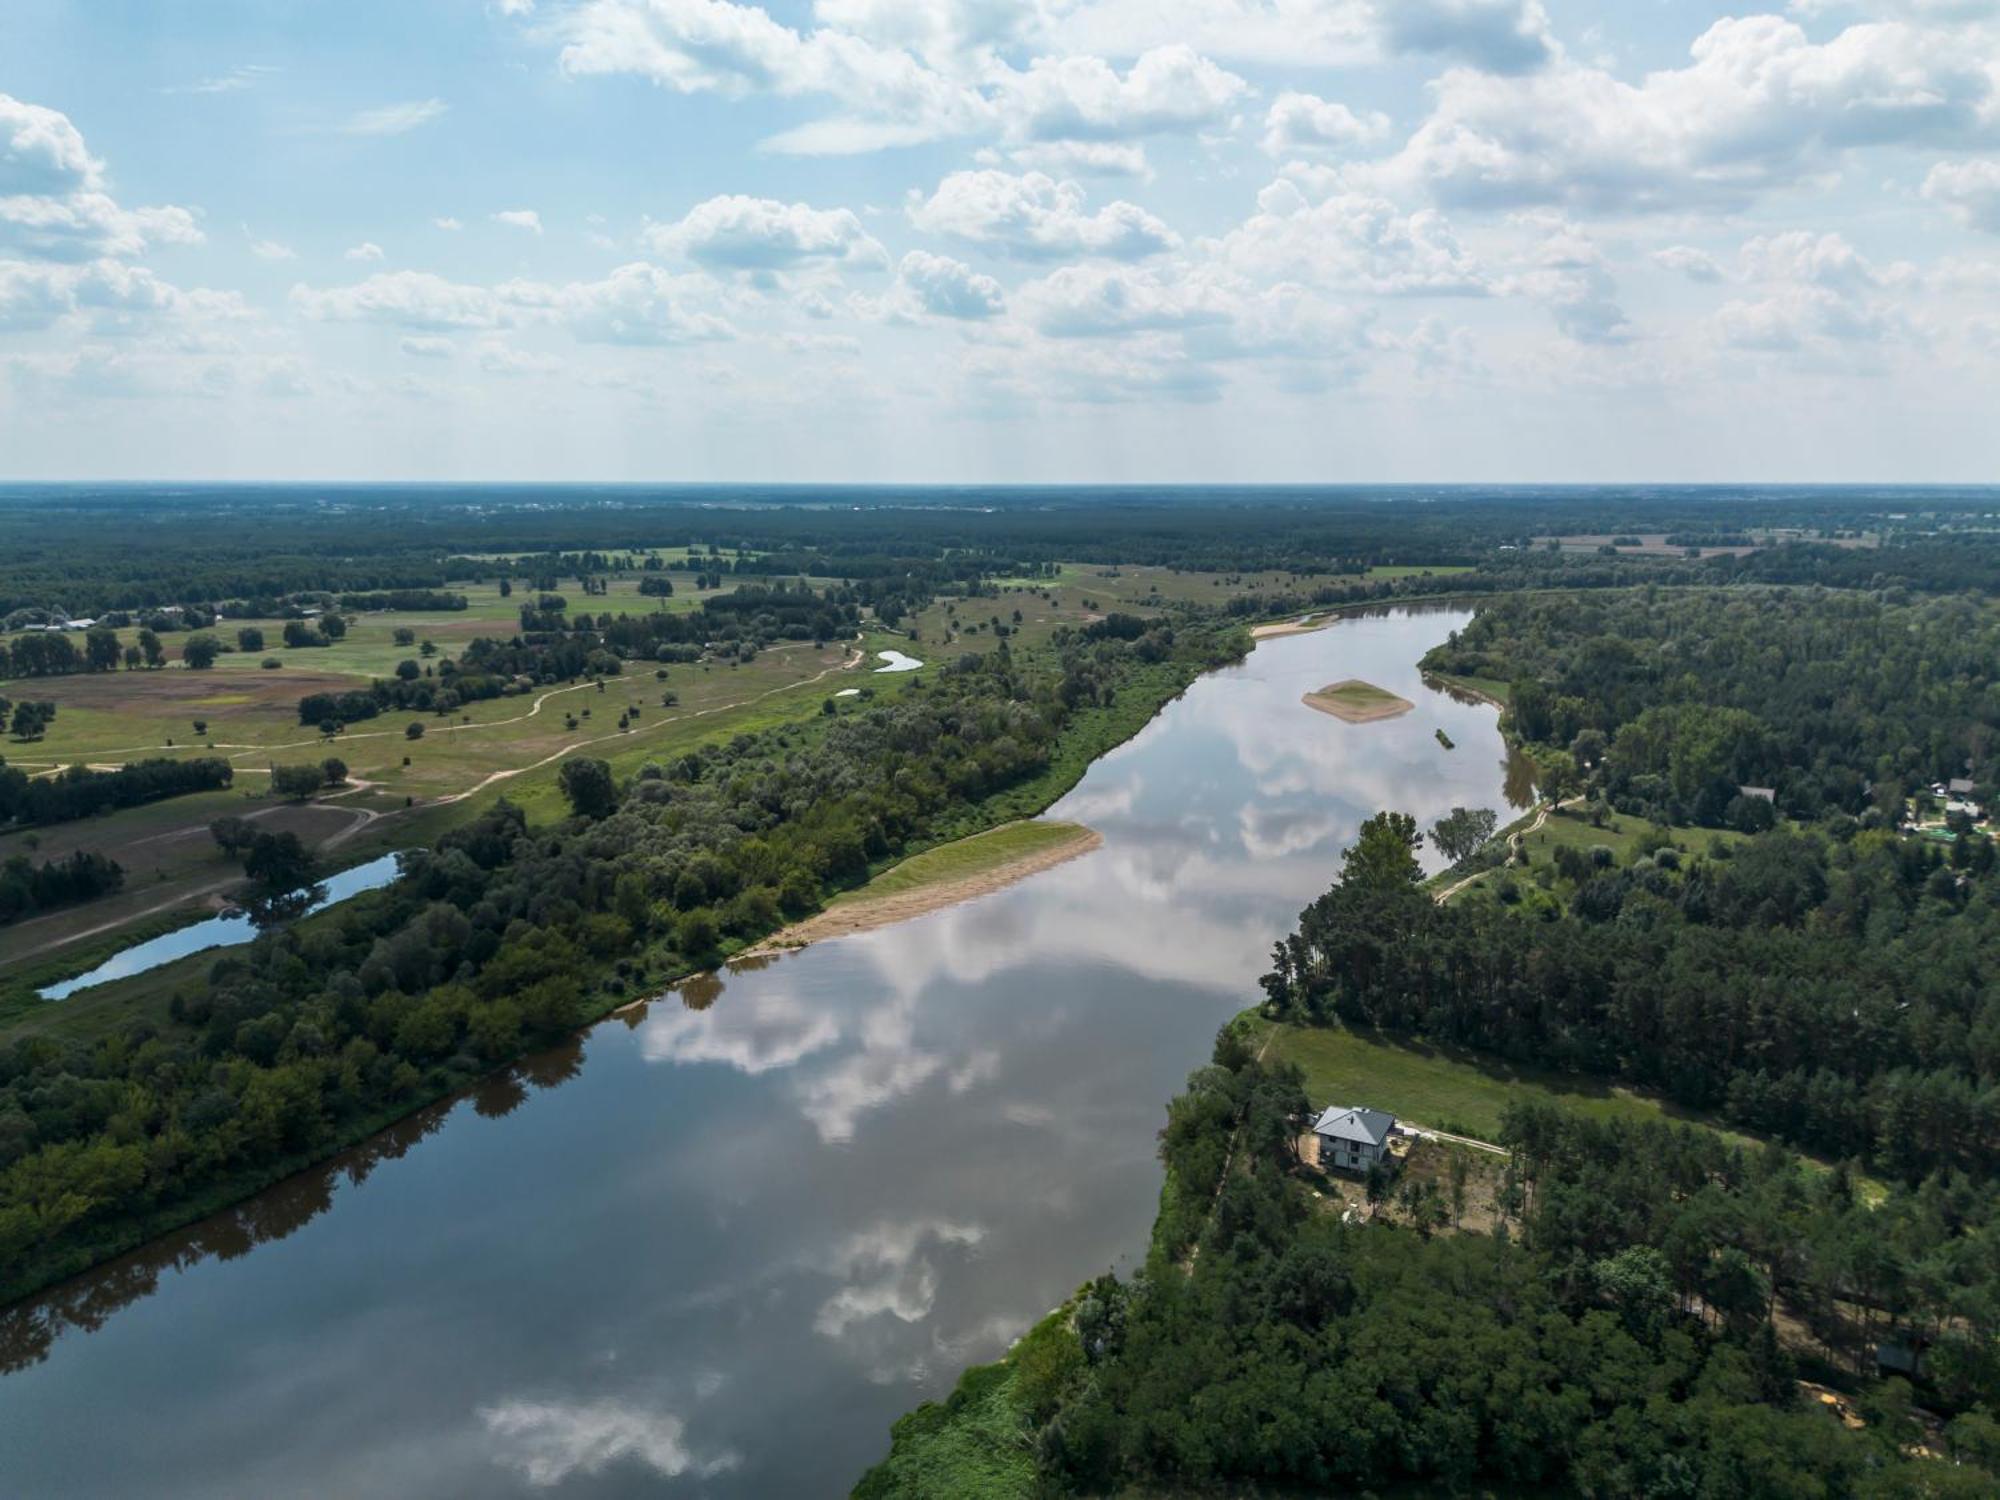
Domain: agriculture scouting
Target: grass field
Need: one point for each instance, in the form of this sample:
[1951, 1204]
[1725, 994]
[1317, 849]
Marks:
[1433, 570]
[1450, 1089]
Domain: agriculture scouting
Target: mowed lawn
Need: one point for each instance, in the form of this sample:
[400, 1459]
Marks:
[1447, 1088]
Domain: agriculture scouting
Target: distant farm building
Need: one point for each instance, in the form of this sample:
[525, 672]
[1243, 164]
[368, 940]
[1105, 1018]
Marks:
[1355, 1138]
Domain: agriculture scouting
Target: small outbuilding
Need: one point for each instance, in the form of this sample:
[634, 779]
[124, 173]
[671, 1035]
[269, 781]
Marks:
[1354, 1138]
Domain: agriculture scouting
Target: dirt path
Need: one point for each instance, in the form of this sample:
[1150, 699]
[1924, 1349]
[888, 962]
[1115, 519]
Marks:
[1457, 1140]
[214, 888]
[863, 913]
[1541, 817]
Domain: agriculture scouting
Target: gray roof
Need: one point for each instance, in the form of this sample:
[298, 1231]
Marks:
[1359, 1123]
[1762, 793]
[1960, 784]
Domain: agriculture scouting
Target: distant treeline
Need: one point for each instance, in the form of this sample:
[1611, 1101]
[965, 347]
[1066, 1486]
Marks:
[405, 600]
[78, 792]
[131, 550]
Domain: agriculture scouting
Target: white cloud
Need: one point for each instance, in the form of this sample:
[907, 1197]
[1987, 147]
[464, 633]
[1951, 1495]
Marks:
[42, 153]
[394, 119]
[1820, 298]
[107, 297]
[1350, 241]
[365, 251]
[1568, 274]
[641, 304]
[1695, 265]
[272, 250]
[1167, 90]
[423, 346]
[1759, 106]
[637, 304]
[418, 300]
[548, 1442]
[1304, 122]
[1031, 216]
[1077, 158]
[1969, 191]
[496, 358]
[520, 218]
[247, 76]
[1498, 36]
[948, 288]
[739, 233]
[1098, 301]
[898, 73]
[448, 224]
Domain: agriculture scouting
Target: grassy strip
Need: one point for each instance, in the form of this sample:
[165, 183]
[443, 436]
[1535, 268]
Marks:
[1452, 1088]
[963, 859]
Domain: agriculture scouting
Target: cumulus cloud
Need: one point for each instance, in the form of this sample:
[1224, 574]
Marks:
[1299, 122]
[1760, 105]
[366, 250]
[641, 304]
[1078, 158]
[738, 233]
[422, 346]
[1498, 36]
[1568, 274]
[42, 153]
[1816, 296]
[272, 250]
[416, 300]
[447, 223]
[520, 218]
[899, 73]
[548, 1442]
[1355, 241]
[52, 200]
[1097, 301]
[106, 297]
[1168, 89]
[1695, 265]
[637, 304]
[1031, 216]
[948, 288]
[1969, 192]
[394, 119]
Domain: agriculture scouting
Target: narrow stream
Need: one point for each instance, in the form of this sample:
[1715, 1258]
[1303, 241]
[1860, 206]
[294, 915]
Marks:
[716, 1246]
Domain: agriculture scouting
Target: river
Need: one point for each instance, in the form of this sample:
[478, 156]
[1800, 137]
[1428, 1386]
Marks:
[716, 1246]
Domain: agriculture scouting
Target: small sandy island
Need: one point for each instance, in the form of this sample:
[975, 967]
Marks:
[938, 878]
[1357, 702]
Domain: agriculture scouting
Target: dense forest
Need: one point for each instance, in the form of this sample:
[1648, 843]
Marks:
[502, 938]
[1670, 701]
[1838, 994]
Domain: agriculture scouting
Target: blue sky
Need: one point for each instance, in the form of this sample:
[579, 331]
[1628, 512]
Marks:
[992, 240]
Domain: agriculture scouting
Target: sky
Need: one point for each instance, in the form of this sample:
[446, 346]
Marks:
[1000, 240]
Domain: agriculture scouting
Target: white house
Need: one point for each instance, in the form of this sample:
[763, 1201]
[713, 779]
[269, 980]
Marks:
[1355, 1138]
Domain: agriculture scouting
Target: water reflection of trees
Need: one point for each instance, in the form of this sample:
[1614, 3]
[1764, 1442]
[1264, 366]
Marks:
[83, 1304]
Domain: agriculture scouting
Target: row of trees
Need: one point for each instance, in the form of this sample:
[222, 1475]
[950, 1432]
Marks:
[27, 888]
[78, 792]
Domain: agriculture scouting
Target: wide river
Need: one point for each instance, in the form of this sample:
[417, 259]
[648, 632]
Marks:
[719, 1244]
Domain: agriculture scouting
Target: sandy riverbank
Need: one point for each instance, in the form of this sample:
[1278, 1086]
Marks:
[870, 907]
[1288, 627]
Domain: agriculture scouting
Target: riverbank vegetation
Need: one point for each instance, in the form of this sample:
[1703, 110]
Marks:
[506, 934]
